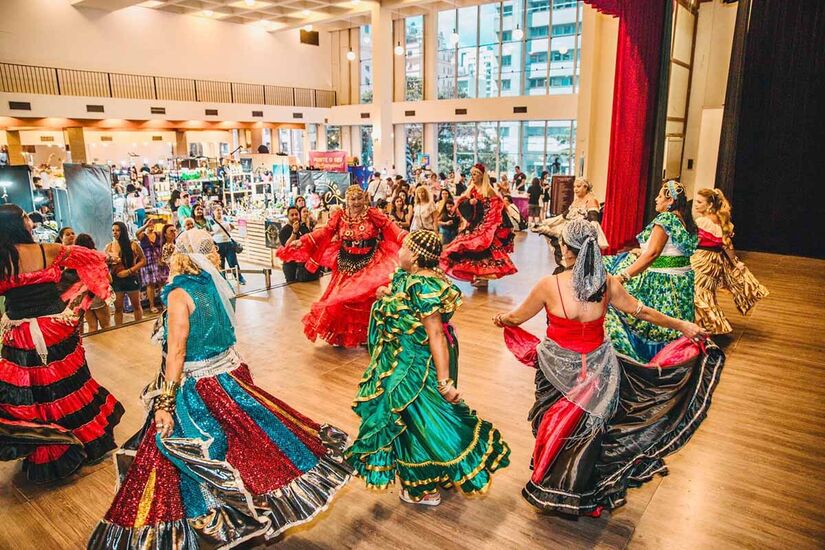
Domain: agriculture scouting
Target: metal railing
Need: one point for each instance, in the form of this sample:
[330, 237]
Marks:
[30, 79]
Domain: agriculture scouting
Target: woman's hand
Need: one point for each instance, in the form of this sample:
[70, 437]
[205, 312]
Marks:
[473, 201]
[381, 292]
[164, 423]
[498, 320]
[295, 244]
[693, 331]
[450, 394]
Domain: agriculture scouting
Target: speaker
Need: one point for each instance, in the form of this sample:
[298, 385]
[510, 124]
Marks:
[309, 37]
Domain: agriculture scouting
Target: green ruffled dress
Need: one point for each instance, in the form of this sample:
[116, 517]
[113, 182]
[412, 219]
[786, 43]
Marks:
[407, 428]
[666, 286]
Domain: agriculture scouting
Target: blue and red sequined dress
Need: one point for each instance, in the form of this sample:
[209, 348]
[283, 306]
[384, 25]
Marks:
[239, 464]
[52, 412]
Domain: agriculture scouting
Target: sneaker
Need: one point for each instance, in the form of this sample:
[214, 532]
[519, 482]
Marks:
[433, 499]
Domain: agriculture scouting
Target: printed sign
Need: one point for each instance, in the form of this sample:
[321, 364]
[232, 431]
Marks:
[271, 231]
[329, 161]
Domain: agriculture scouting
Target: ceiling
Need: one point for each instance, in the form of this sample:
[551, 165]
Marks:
[278, 15]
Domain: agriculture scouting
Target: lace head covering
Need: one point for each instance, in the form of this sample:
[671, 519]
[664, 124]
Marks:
[196, 244]
[589, 277]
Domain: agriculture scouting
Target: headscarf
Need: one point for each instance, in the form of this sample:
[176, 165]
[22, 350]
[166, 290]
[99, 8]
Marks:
[589, 276]
[196, 244]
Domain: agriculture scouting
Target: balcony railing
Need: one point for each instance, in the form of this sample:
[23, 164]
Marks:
[29, 79]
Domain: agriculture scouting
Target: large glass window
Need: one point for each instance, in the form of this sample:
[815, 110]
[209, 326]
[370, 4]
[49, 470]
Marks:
[333, 138]
[366, 145]
[366, 64]
[414, 59]
[510, 48]
[415, 146]
[446, 146]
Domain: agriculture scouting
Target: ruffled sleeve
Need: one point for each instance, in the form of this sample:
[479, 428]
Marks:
[319, 248]
[428, 295]
[392, 234]
[685, 241]
[92, 271]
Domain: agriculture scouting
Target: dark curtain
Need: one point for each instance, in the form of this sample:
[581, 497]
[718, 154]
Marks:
[778, 188]
[635, 93]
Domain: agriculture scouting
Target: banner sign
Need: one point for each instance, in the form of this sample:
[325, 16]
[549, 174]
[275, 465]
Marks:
[331, 186]
[423, 160]
[329, 161]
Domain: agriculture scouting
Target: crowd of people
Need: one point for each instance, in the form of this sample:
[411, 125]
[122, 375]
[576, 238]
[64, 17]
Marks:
[624, 374]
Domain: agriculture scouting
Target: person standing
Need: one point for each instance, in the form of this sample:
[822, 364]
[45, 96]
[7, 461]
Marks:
[400, 212]
[53, 414]
[293, 230]
[360, 245]
[135, 205]
[545, 194]
[200, 219]
[184, 209]
[153, 275]
[534, 194]
[220, 461]
[227, 248]
[424, 216]
[98, 315]
[414, 425]
[716, 265]
[520, 180]
[126, 260]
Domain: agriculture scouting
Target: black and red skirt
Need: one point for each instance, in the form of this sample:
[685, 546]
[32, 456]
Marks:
[53, 414]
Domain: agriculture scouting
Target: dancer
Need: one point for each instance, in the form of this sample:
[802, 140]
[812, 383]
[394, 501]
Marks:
[603, 423]
[360, 245]
[413, 422]
[53, 414]
[659, 274]
[222, 461]
[585, 206]
[716, 265]
[480, 252]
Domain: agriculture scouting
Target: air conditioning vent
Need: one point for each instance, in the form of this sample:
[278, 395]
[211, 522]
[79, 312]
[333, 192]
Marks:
[409, 113]
[94, 108]
[297, 115]
[211, 112]
[461, 111]
[519, 110]
[158, 110]
[259, 114]
[20, 106]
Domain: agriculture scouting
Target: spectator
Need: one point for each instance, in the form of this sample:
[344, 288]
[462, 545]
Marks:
[545, 196]
[135, 204]
[460, 186]
[66, 236]
[154, 275]
[199, 217]
[423, 216]
[520, 180]
[98, 314]
[126, 260]
[400, 212]
[447, 217]
[534, 193]
[226, 244]
[503, 186]
[184, 209]
[295, 271]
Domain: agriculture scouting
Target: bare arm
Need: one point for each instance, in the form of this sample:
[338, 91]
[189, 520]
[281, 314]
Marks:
[142, 229]
[657, 242]
[441, 354]
[141, 259]
[528, 309]
[178, 312]
[623, 301]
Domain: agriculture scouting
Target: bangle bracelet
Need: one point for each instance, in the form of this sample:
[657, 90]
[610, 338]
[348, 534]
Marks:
[639, 307]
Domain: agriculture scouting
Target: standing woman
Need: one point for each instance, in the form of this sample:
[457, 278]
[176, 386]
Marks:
[480, 252]
[170, 233]
[400, 212]
[226, 244]
[423, 216]
[199, 217]
[414, 424]
[153, 275]
[659, 275]
[221, 461]
[545, 196]
[98, 316]
[716, 265]
[135, 205]
[53, 414]
[66, 236]
[126, 259]
[603, 423]
[360, 245]
[174, 203]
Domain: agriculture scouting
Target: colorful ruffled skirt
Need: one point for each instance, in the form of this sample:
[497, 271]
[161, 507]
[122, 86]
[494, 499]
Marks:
[408, 430]
[580, 471]
[482, 252]
[239, 464]
[666, 290]
[714, 270]
[53, 414]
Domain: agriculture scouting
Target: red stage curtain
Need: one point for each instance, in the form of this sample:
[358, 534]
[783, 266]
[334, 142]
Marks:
[634, 104]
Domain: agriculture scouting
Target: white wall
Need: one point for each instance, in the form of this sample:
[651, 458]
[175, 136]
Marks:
[151, 42]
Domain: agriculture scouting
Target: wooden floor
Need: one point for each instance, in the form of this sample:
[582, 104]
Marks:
[753, 476]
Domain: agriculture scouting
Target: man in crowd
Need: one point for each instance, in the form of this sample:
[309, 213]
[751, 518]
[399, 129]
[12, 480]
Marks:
[294, 271]
[520, 180]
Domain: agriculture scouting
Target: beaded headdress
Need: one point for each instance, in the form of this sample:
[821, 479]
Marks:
[426, 244]
[353, 190]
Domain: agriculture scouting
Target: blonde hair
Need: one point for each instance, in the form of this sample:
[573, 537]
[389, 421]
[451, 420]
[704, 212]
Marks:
[586, 183]
[485, 188]
[182, 264]
[422, 193]
[719, 205]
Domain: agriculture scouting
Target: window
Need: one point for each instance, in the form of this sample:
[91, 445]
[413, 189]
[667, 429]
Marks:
[415, 146]
[488, 51]
[507, 10]
[558, 81]
[506, 36]
[536, 83]
[538, 57]
[333, 138]
[565, 29]
[539, 5]
[366, 146]
[506, 60]
[366, 64]
[414, 60]
[561, 4]
[505, 85]
[446, 146]
[538, 32]
[445, 64]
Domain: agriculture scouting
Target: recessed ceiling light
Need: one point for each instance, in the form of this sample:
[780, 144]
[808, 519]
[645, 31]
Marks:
[150, 4]
[356, 2]
[308, 28]
[208, 13]
[250, 3]
[305, 13]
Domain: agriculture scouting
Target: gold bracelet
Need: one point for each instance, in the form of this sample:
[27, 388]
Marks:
[639, 308]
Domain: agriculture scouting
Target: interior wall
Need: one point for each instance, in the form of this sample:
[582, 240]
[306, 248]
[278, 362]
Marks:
[147, 41]
[711, 59]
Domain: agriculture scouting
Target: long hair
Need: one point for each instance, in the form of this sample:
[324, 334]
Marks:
[12, 232]
[173, 198]
[127, 255]
[719, 205]
[163, 232]
[60, 234]
[680, 205]
[85, 240]
[422, 195]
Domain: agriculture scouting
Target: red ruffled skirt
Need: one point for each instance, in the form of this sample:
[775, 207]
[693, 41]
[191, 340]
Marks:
[477, 254]
[55, 416]
[341, 316]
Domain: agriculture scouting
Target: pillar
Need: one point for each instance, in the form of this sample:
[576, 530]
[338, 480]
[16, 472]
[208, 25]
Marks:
[181, 147]
[16, 157]
[431, 147]
[431, 55]
[382, 84]
[400, 140]
[322, 137]
[76, 142]
[257, 135]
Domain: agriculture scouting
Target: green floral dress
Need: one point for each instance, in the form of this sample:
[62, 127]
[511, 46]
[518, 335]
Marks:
[407, 428]
[667, 286]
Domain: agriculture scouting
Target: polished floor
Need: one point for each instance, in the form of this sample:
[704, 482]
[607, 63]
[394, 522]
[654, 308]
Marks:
[752, 477]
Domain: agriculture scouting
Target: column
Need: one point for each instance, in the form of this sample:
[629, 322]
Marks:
[431, 54]
[431, 147]
[257, 139]
[322, 137]
[400, 139]
[76, 142]
[181, 147]
[382, 83]
[16, 157]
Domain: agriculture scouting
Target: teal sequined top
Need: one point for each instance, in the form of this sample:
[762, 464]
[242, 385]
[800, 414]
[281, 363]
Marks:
[210, 330]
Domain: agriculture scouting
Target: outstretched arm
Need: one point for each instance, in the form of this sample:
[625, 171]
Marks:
[528, 309]
[623, 301]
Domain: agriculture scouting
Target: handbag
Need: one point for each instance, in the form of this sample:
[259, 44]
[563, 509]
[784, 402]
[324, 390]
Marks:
[235, 244]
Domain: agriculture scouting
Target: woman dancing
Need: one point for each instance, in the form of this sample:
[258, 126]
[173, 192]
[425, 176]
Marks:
[413, 422]
[659, 274]
[481, 250]
[585, 206]
[360, 244]
[603, 423]
[716, 265]
[223, 461]
[53, 414]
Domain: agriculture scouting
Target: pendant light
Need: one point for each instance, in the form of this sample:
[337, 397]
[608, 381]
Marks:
[454, 38]
[350, 53]
[518, 34]
[399, 50]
